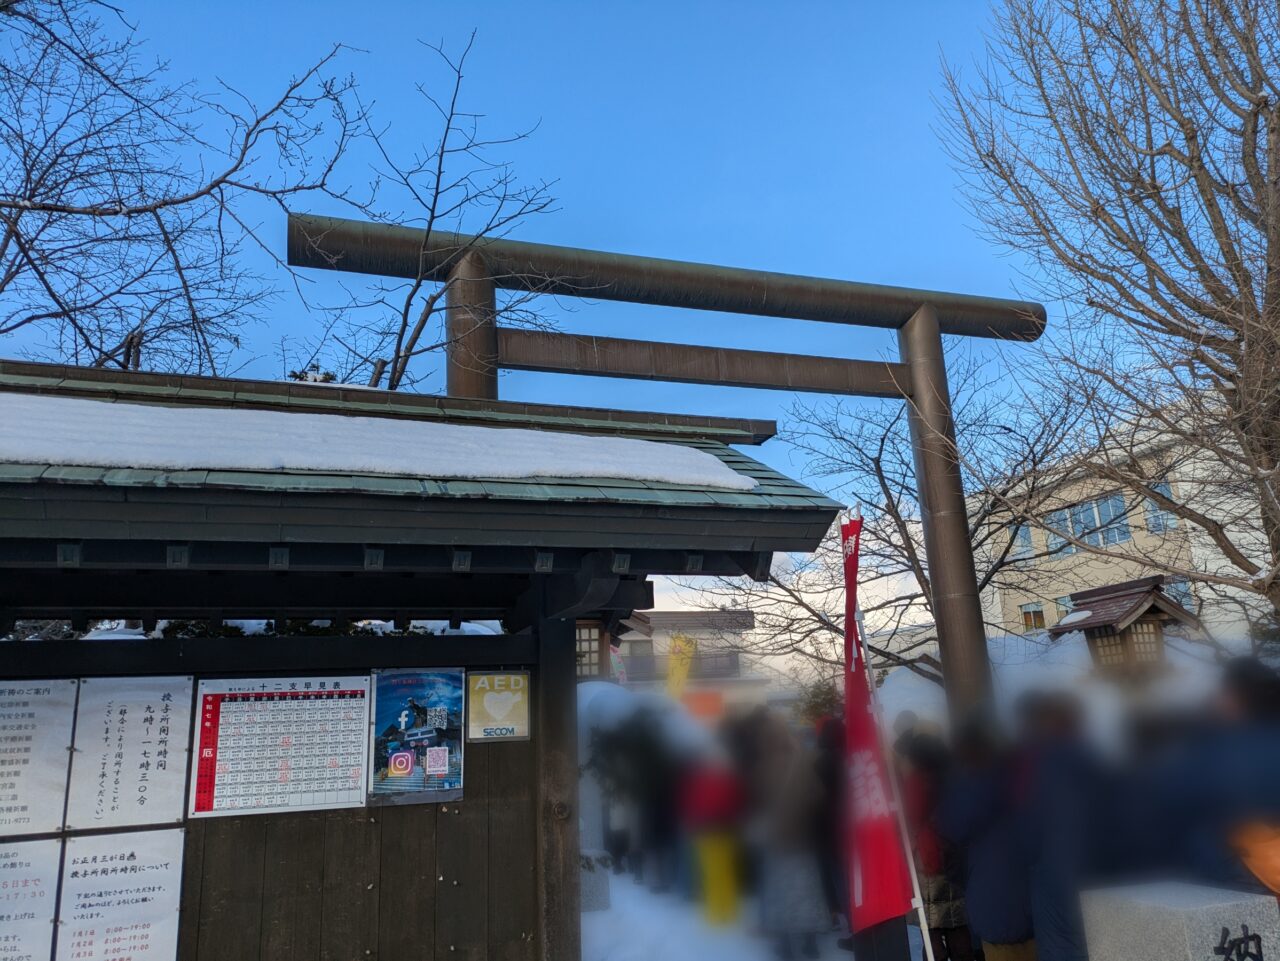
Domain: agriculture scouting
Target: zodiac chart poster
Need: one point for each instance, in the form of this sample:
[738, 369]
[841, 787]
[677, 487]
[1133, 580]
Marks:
[416, 736]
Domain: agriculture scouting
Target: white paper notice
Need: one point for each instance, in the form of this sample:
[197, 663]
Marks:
[120, 897]
[280, 744]
[28, 894]
[35, 748]
[130, 762]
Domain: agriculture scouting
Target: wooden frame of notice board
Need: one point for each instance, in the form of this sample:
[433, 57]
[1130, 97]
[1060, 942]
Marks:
[382, 880]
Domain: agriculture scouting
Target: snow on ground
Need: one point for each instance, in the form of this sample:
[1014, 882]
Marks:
[114, 631]
[481, 628]
[642, 926]
[35, 429]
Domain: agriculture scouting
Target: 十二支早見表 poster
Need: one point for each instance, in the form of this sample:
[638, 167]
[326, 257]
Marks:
[415, 750]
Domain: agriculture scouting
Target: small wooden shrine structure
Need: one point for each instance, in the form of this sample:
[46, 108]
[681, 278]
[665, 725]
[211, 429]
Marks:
[1124, 624]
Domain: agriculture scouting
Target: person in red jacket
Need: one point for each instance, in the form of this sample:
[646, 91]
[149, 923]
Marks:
[711, 805]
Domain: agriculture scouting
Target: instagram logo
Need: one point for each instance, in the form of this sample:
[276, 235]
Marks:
[400, 764]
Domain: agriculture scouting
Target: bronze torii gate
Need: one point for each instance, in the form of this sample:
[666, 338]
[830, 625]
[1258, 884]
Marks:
[474, 267]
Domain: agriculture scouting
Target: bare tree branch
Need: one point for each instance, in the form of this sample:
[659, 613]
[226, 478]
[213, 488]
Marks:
[114, 234]
[1130, 149]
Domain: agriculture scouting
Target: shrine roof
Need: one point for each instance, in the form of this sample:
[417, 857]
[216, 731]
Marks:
[687, 489]
[1117, 606]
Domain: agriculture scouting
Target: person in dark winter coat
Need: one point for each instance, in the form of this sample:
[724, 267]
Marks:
[829, 829]
[974, 813]
[1059, 797]
[1217, 797]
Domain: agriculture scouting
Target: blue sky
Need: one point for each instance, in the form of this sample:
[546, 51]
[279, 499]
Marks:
[797, 137]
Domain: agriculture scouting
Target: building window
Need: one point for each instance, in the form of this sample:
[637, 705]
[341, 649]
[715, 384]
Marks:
[1145, 641]
[1020, 541]
[1100, 522]
[1064, 605]
[1059, 524]
[1108, 647]
[589, 645]
[1180, 591]
[640, 648]
[1032, 616]
[1160, 520]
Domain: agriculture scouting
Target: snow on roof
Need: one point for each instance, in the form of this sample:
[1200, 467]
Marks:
[38, 429]
[1075, 616]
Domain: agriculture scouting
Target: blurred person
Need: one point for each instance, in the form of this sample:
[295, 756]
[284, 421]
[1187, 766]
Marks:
[743, 737]
[904, 725]
[829, 825]
[1060, 801]
[790, 795]
[711, 806]
[922, 760]
[1220, 793]
[621, 834]
[975, 813]
[659, 832]
[650, 777]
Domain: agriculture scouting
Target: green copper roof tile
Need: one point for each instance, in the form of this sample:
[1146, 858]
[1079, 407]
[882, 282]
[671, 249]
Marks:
[462, 488]
[21, 473]
[62, 474]
[781, 496]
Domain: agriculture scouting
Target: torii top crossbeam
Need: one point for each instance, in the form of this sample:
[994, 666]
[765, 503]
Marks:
[386, 250]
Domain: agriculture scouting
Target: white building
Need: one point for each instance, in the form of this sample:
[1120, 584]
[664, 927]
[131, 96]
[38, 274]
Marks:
[722, 681]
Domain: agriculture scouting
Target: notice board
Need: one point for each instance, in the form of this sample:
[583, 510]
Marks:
[266, 745]
[36, 719]
[120, 896]
[129, 766]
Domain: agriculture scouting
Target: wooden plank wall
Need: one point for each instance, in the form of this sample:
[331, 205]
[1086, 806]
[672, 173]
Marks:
[397, 883]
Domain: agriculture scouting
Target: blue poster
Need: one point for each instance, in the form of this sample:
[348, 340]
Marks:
[416, 736]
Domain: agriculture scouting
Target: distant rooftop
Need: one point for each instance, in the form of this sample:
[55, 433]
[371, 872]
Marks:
[726, 621]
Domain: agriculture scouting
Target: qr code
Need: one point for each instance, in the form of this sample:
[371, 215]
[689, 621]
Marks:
[437, 760]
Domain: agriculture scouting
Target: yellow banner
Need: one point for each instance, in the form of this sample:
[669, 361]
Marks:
[683, 648]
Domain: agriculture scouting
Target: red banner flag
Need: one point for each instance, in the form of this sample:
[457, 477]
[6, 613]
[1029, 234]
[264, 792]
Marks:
[880, 885]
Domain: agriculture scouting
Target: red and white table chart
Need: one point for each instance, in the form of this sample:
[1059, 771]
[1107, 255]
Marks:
[277, 744]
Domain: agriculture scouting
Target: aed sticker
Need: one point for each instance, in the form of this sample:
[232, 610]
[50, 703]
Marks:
[498, 706]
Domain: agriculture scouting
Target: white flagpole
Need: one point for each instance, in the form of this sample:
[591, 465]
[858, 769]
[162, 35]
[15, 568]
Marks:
[886, 750]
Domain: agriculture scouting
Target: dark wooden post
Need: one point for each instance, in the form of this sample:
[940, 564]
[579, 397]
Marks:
[953, 582]
[556, 736]
[472, 350]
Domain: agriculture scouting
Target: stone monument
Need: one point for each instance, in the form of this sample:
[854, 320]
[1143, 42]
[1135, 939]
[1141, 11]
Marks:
[1175, 921]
